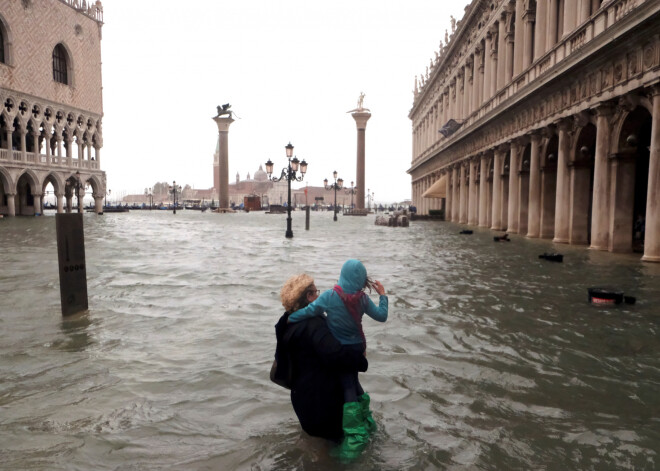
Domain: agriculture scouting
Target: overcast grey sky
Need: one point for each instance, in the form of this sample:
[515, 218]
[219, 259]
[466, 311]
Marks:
[291, 69]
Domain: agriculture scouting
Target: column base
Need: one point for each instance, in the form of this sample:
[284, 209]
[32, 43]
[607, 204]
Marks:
[598, 247]
[560, 240]
[651, 258]
[532, 236]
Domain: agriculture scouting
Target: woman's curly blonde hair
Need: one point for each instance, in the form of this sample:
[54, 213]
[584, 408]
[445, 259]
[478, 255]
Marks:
[293, 290]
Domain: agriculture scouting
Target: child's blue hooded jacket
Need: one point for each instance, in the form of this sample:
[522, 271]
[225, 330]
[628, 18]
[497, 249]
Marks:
[351, 280]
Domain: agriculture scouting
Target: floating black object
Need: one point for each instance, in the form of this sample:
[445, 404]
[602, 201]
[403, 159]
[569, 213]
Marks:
[629, 299]
[466, 231]
[553, 257]
[504, 237]
[605, 296]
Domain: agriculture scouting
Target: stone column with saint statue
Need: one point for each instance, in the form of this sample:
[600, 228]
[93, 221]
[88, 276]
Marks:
[361, 115]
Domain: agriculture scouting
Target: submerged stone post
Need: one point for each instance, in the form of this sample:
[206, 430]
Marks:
[71, 258]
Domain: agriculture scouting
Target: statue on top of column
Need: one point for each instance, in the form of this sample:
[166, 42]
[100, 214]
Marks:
[224, 110]
[360, 105]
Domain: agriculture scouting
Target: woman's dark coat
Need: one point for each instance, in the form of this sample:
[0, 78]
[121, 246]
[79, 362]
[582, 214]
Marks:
[317, 359]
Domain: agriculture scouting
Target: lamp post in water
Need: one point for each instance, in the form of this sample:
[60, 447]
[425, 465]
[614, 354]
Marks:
[289, 173]
[370, 199]
[149, 194]
[351, 191]
[174, 189]
[337, 185]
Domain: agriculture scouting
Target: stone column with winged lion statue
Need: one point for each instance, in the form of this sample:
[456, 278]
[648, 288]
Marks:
[223, 119]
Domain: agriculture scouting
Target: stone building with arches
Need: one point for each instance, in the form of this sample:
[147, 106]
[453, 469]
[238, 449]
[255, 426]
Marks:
[542, 118]
[51, 105]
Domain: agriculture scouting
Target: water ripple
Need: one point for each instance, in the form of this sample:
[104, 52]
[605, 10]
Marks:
[491, 358]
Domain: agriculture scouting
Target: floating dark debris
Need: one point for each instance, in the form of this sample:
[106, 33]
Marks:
[552, 257]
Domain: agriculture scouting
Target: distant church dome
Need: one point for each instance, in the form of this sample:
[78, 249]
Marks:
[260, 175]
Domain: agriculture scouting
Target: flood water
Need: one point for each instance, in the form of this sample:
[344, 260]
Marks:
[491, 358]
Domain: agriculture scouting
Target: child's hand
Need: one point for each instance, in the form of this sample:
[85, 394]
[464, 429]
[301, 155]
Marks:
[379, 287]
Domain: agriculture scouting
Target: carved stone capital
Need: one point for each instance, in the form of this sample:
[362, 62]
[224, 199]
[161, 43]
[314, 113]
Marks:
[564, 124]
[501, 149]
[549, 130]
[604, 109]
[654, 90]
[535, 137]
[523, 140]
[582, 118]
[514, 145]
[629, 101]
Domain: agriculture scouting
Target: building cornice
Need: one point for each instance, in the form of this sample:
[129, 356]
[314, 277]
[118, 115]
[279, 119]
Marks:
[599, 52]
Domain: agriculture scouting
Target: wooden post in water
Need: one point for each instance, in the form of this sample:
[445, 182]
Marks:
[307, 217]
[71, 257]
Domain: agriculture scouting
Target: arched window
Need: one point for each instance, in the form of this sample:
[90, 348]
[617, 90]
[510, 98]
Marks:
[60, 64]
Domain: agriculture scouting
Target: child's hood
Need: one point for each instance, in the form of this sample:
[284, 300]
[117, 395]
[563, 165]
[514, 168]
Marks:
[353, 276]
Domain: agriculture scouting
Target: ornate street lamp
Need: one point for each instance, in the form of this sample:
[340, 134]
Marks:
[351, 191]
[370, 199]
[337, 185]
[174, 189]
[149, 194]
[288, 173]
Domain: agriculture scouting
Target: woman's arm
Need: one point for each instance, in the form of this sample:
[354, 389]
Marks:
[315, 308]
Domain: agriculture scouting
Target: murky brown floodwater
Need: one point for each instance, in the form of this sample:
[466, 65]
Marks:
[491, 358]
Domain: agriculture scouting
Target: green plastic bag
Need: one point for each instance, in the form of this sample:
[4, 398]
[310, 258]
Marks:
[365, 400]
[356, 435]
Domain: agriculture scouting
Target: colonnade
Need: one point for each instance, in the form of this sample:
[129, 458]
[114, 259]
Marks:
[520, 35]
[578, 181]
[22, 144]
[22, 191]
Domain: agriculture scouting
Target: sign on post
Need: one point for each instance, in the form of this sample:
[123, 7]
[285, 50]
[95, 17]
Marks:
[71, 258]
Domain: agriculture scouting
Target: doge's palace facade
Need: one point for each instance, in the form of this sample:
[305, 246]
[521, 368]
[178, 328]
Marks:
[550, 120]
[50, 103]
